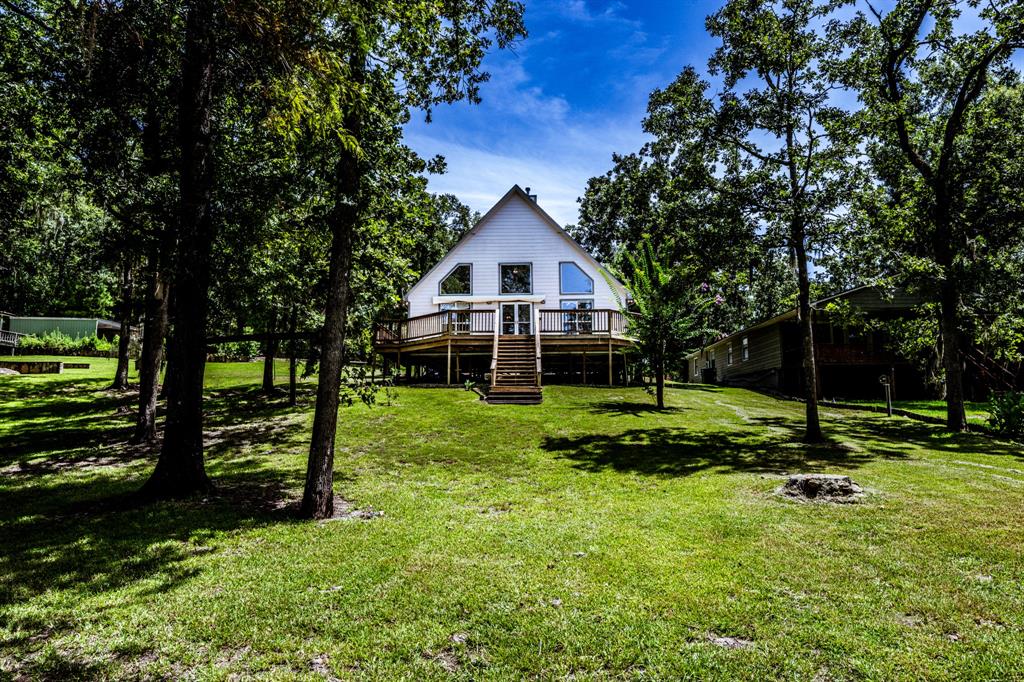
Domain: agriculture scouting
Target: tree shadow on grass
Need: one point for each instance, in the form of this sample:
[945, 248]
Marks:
[706, 388]
[632, 407]
[682, 452]
[87, 531]
[43, 423]
[94, 541]
[771, 444]
[901, 435]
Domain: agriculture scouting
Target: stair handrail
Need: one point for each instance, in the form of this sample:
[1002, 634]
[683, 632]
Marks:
[494, 351]
[536, 339]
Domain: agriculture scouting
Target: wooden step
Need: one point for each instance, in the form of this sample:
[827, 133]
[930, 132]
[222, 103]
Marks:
[515, 395]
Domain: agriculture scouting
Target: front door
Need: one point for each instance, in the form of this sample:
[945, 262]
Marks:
[515, 318]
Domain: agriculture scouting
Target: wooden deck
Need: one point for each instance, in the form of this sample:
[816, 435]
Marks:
[457, 340]
[475, 330]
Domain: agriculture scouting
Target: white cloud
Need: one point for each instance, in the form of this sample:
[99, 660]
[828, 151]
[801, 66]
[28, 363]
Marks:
[556, 172]
[508, 92]
[578, 10]
[523, 133]
[480, 177]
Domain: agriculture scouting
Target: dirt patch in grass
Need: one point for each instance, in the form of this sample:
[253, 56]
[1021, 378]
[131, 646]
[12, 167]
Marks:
[346, 511]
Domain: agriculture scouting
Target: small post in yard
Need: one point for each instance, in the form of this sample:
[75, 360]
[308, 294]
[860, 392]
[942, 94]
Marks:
[884, 380]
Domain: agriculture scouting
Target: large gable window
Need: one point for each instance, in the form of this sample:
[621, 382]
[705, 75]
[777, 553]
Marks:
[516, 278]
[574, 280]
[458, 281]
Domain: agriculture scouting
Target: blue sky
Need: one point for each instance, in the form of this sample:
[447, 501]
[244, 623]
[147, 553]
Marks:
[562, 100]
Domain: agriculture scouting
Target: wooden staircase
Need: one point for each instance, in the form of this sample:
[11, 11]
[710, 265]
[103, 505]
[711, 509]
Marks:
[515, 372]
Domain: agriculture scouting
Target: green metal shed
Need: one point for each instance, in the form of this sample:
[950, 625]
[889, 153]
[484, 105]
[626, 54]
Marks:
[75, 327]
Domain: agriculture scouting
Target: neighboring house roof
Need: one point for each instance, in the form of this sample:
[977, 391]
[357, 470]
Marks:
[61, 319]
[517, 192]
[788, 315]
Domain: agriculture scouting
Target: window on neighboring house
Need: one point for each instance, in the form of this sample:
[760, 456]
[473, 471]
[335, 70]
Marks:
[516, 278]
[745, 349]
[460, 320]
[728, 355]
[822, 332]
[696, 367]
[458, 281]
[573, 280]
[577, 322]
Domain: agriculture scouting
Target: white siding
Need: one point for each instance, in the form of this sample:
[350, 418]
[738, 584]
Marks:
[515, 233]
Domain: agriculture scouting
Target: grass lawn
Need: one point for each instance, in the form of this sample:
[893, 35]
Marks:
[586, 538]
[977, 412]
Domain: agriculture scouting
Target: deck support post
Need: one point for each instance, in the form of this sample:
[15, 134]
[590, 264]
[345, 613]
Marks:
[449, 375]
[611, 379]
[584, 366]
[458, 365]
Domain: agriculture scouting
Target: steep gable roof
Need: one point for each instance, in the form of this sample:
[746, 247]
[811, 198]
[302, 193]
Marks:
[517, 192]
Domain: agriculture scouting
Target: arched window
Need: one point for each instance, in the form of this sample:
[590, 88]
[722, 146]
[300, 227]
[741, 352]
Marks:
[574, 280]
[458, 281]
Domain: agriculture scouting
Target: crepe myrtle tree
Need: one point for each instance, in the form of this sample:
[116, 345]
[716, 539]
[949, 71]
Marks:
[669, 310]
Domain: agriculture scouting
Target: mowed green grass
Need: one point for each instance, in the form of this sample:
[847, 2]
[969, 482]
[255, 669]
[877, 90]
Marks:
[977, 412]
[587, 538]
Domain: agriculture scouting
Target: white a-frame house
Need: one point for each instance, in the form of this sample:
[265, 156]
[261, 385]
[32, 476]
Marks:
[514, 301]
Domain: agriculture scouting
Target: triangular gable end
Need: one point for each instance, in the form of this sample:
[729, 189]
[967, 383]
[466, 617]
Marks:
[517, 192]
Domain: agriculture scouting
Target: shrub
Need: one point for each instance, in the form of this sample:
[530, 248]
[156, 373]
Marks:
[54, 342]
[30, 344]
[1006, 414]
[57, 342]
[236, 350]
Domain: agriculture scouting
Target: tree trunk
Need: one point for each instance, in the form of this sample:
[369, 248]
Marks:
[180, 470]
[956, 416]
[157, 287]
[659, 380]
[291, 359]
[949, 311]
[269, 355]
[154, 332]
[812, 430]
[121, 374]
[318, 496]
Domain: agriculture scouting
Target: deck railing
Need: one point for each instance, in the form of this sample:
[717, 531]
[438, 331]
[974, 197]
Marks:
[453, 322]
[600, 322]
[603, 322]
[10, 339]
